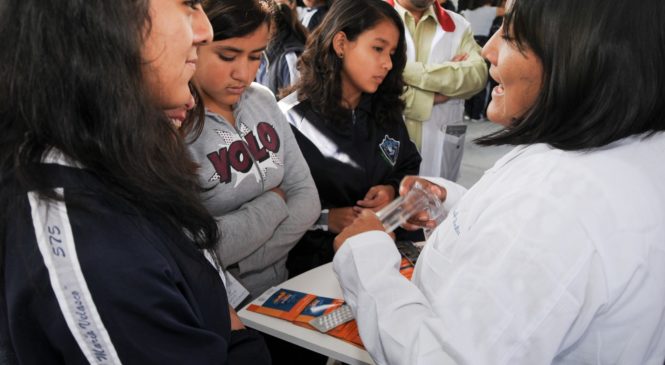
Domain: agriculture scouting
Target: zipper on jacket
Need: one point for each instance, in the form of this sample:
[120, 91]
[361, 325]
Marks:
[255, 163]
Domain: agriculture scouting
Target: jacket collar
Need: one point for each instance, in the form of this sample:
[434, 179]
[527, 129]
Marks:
[444, 19]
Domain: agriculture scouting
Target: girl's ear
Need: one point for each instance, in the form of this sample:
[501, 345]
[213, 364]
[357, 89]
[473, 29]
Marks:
[339, 43]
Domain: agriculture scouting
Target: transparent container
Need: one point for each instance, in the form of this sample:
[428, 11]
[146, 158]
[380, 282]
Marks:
[418, 199]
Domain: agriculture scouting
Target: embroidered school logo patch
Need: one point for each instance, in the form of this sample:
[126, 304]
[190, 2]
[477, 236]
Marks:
[390, 149]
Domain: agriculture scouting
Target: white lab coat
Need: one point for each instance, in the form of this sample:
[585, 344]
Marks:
[552, 257]
[444, 48]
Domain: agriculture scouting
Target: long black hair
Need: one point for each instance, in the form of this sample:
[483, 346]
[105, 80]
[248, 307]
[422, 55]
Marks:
[320, 69]
[603, 78]
[72, 79]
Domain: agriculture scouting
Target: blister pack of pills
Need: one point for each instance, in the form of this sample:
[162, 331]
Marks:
[333, 319]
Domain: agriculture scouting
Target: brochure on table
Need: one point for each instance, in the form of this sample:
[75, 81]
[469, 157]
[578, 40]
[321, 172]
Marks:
[300, 308]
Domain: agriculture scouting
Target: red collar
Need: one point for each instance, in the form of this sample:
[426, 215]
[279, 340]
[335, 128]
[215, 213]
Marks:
[442, 16]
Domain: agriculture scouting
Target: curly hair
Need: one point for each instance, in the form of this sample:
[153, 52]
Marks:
[320, 68]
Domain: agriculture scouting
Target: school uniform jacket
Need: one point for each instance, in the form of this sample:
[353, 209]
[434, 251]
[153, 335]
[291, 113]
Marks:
[92, 280]
[345, 161]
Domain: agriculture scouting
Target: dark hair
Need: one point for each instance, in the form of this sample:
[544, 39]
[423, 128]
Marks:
[287, 26]
[320, 68]
[72, 79]
[192, 127]
[603, 78]
[475, 4]
[237, 18]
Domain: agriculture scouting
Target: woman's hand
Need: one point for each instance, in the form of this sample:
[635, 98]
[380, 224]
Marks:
[340, 218]
[377, 197]
[236, 323]
[366, 221]
[422, 219]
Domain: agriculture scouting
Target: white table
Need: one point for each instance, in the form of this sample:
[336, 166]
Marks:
[319, 281]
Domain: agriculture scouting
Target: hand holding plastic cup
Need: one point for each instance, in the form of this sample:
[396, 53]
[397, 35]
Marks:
[418, 199]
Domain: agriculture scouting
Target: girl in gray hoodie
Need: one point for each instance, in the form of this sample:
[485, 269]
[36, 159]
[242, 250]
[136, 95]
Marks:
[260, 188]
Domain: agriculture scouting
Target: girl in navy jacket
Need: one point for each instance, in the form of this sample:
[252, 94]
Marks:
[347, 115]
[104, 244]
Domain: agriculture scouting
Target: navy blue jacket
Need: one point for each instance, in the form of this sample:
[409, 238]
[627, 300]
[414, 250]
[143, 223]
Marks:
[155, 295]
[346, 160]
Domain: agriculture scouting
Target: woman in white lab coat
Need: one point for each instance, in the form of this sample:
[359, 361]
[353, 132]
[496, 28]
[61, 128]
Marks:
[557, 255]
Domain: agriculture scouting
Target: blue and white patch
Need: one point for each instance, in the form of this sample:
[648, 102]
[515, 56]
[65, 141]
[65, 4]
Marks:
[390, 149]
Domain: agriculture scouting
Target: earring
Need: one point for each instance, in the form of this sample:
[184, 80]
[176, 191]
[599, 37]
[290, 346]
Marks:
[340, 55]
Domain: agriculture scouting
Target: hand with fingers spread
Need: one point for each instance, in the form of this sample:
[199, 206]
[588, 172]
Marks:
[422, 219]
[377, 197]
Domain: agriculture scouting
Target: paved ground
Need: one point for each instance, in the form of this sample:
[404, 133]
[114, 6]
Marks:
[476, 158]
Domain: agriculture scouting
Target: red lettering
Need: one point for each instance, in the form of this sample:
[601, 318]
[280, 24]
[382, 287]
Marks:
[239, 154]
[268, 137]
[220, 161]
[240, 159]
[260, 154]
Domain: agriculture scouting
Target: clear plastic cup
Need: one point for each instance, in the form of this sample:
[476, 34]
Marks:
[418, 199]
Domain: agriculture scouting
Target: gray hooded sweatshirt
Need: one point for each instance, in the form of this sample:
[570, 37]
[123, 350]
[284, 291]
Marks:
[240, 165]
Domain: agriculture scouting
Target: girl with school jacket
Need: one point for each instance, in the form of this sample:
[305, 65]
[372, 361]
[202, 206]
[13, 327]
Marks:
[348, 120]
[105, 249]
